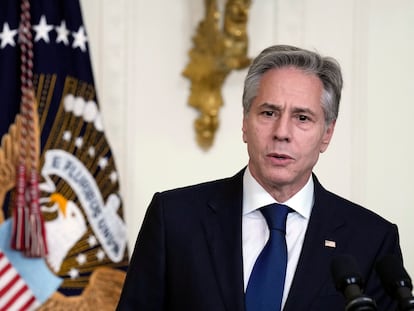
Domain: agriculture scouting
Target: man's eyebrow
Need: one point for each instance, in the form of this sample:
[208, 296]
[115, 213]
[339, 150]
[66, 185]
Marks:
[271, 106]
[303, 110]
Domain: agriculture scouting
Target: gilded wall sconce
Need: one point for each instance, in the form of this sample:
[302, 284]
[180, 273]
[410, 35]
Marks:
[218, 49]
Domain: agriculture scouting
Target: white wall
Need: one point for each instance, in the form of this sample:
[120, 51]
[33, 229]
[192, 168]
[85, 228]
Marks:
[139, 49]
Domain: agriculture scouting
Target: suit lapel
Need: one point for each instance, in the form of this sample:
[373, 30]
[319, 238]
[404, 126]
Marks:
[223, 228]
[223, 232]
[318, 249]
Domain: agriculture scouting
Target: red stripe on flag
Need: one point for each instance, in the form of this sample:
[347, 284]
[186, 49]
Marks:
[15, 299]
[29, 303]
[5, 269]
[14, 292]
[5, 289]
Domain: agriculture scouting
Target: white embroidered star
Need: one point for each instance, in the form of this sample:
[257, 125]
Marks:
[62, 33]
[113, 177]
[80, 39]
[67, 135]
[73, 273]
[42, 30]
[81, 259]
[7, 36]
[92, 241]
[100, 255]
[91, 151]
[103, 162]
[79, 142]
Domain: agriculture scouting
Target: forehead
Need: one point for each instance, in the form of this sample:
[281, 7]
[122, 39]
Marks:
[289, 84]
[291, 76]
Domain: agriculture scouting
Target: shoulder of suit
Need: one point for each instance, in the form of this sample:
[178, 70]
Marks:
[347, 207]
[207, 188]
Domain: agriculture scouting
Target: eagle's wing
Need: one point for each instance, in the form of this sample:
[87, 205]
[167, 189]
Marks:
[9, 154]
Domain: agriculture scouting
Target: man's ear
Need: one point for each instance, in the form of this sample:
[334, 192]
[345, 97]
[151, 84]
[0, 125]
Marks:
[244, 129]
[327, 136]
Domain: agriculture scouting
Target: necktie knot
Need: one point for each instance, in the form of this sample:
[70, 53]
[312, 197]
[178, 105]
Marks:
[276, 215]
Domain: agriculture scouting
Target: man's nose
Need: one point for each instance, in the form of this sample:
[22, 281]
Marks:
[282, 128]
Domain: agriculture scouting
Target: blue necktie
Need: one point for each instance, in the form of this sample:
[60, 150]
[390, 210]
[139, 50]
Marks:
[265, 288]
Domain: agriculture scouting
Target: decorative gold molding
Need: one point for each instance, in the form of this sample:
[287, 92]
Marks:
[215, 53]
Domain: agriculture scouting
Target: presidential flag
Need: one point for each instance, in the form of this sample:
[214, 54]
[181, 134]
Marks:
[63, 241]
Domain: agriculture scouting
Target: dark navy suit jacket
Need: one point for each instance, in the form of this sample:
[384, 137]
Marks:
[188, 255]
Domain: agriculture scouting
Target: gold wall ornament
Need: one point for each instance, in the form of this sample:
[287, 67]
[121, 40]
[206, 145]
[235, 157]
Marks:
[215, 53]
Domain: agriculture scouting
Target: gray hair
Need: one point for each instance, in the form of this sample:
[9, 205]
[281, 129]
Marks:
[326, 69]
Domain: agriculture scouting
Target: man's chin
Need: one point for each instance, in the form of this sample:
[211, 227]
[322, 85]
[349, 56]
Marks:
[279, 180]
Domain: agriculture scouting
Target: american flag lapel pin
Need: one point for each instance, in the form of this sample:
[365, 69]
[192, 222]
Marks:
[329, 243]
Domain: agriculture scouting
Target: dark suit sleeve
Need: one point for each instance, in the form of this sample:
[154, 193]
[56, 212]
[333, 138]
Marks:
[374, 288]
[144, 285]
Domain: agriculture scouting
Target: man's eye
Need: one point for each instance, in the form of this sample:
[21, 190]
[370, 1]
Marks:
[268, 113]
[303, 118]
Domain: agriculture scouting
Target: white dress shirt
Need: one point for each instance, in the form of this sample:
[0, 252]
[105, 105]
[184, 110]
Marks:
[255, 231]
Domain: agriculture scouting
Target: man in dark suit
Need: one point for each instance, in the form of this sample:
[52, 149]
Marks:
[198, 245]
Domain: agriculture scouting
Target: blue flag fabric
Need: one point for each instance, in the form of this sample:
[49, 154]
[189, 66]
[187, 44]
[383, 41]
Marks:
[79, 187]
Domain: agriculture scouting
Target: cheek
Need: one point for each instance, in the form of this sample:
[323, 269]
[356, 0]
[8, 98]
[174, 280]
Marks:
[250, 132]
[253, 135]
[312, 147]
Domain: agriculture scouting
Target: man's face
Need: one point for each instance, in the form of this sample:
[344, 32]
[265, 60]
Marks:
[285, 130]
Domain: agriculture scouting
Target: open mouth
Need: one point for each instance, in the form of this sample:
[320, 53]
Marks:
[280, 156]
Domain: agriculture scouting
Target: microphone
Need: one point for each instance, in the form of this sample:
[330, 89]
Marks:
[396, 281]
[349, 281]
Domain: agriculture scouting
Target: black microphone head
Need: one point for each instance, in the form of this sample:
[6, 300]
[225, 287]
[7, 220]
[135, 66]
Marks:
[345, 272]
[348, 279]
[393, 275]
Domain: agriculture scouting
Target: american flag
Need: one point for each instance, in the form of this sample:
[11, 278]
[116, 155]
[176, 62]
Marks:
[14, 292]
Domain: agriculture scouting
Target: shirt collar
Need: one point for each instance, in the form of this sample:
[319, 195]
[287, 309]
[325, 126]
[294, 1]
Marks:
[255, 196]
